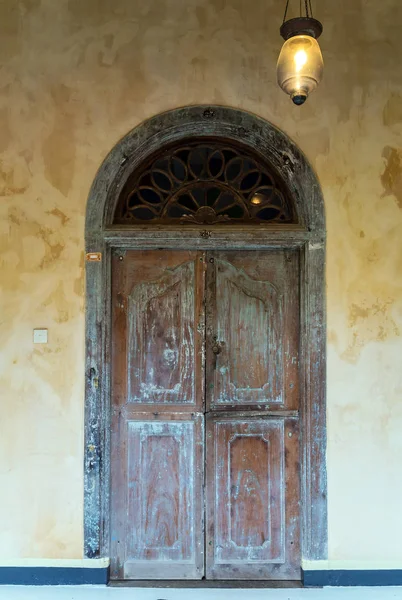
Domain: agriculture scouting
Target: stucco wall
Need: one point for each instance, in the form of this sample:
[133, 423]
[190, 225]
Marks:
[76, 76]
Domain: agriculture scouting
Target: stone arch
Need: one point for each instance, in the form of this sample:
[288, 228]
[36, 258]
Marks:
[308, 234]
[216, 121]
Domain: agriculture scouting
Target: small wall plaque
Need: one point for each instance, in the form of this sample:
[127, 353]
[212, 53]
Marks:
[94, 256]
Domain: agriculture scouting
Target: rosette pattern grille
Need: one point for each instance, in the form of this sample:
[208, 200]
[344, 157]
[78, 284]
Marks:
[204, 182]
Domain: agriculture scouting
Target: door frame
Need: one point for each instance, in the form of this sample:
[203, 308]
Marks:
[102, 238]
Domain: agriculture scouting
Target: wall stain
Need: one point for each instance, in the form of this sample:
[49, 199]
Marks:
[30, 5]
[57, 299]
[10, 27]
[391, 178]
[79, 281]
[14, 179]
[53, 249]
[369, 323]
[59, 214]
[21, 228]
[92, 12]
[392, 113]
[59, 146]
[332, 337]
[202, 16]
[5, 137]
[12, 218]
[359, 312]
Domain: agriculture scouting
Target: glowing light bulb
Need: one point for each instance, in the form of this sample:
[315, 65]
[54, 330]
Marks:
[256, 199]
[300, 59]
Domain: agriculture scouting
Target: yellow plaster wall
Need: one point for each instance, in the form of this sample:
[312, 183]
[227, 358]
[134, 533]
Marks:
[75, 76]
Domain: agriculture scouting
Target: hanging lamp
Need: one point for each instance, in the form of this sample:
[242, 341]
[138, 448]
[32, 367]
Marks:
[300, 65]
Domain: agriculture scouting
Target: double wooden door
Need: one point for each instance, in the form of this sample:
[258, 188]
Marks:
[205, 448]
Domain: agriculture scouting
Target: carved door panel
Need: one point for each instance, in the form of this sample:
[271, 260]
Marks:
[252, 326]
[157, 415]
[252, 330]
[252, 498]
[158, 330]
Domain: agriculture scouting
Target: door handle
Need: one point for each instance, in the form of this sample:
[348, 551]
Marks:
[217, 346]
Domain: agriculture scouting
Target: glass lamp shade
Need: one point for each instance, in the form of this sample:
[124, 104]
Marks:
[300, 67]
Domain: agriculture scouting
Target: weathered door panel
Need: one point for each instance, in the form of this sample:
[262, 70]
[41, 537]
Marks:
[157, 497]
[252, 498]
[160, 340]
[158, 330]
[252, 330]
[157, 415]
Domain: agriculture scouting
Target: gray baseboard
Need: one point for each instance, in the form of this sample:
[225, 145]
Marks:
[346, 577]
[53, 576]
[100, 576]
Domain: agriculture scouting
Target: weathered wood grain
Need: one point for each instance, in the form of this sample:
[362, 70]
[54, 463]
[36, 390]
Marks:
[313, 405]
[252, 321]
[97, 414]
[158, 330]
[253, 499]
[252, 324]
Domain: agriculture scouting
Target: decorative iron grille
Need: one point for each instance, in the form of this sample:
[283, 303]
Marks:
[204, 182]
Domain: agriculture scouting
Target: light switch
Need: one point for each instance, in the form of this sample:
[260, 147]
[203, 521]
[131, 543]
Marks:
[40, 336]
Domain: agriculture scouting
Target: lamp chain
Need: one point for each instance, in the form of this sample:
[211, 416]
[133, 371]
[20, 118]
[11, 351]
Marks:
[286, 11]
[307, 6]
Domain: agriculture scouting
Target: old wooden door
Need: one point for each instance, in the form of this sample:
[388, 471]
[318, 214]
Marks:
[157, 440]
[205, 342]
[252, 328]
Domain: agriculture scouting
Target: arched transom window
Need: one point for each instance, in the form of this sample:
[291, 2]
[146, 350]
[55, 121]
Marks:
[204, 182]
